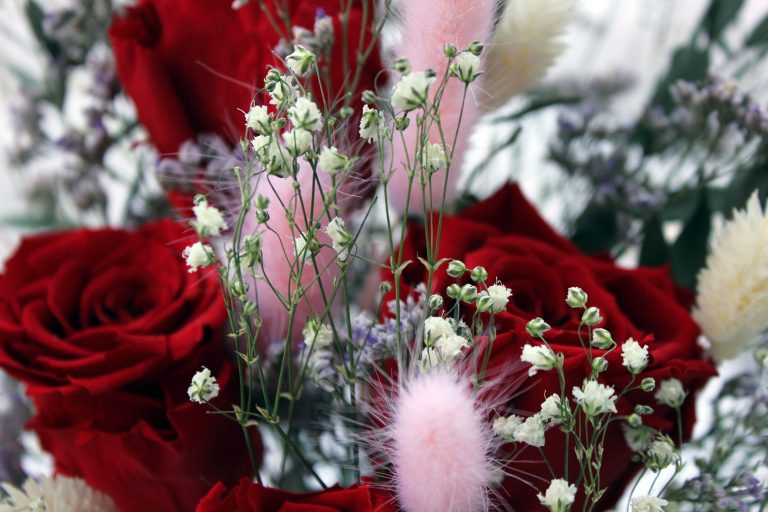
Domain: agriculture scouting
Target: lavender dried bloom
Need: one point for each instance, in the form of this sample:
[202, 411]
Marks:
[14, 413]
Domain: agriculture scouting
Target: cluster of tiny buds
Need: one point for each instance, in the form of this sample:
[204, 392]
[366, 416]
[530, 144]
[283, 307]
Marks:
[493, 299]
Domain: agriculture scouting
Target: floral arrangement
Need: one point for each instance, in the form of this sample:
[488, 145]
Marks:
[262, 276]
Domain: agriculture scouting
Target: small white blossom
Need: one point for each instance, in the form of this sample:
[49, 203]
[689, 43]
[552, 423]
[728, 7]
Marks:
[198, 255]
[576, 297]
[661, 453]
[500, 295]
[372, 125]
[281, 88]
[671, 393]
[297, 141]
[466, 67]
[551, 409]
[638, 439]
[433, 157]
[203, 387]
[340, 237]
[300, 61]
[595, 398]
[411, 91]
[559, 496]
[505, 427]
[299, 247]
[436, 327]
[304, 114]
[208, 220]
[257, 119]
[531, 431]
[635, 357]
[260, 143]
[54, 494]
[451, 345]
[317, 334]
[332, 162]
[540, 357]
[648, 504]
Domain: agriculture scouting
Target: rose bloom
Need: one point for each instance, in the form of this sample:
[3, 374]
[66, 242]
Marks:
[192, 68]
[106, 329]
[507, 236]
[251, 497]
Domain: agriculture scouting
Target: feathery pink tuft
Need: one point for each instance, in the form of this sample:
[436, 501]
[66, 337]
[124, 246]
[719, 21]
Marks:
[427, 25]
[442, 445]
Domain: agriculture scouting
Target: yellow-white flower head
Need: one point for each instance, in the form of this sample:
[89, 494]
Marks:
[732, 303]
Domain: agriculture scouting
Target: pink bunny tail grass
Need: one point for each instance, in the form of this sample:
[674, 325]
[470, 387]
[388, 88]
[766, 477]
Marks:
[279, 260]
[427, 25]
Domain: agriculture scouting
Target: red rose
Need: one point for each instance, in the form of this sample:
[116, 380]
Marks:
[250, 497]
[106, 328]
[191, 67]
[507, 236]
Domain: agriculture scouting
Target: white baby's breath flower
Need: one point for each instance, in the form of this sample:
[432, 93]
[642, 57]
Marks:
[505, 427]
[297, 141]
[203, 387]
[300, 61]
[340, 237]
[648, 504]
[661, 453]
[433, 157]
[436, 327]
[257, 119]
[525, 44]
[500, 295]
[451, 345]
[732, 301]
[638, 439]
[372, 125]
[317, 334]
[300, 247]
[559, 495]
[551, 409]
[671, 393]
[595, 398]
[282, 89]
[411, 91]
[208, 220]
[635, 357]
[531, 432]
[466, 67]
[55, 494]
[304, 114]
[332, 162]
[260, 143]
[540, 358]
[198, 255]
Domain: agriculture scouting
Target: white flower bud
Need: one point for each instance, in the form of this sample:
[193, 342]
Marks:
[466, 67]
[433, 158]
[468, 293]
[591, 316]
[539, 357]
[341, 239]
[411, 91]
[599, 364]
[576, 298]
[648, 384]
[478, 274]
[435, 301]
[500, 295]
[372, 125]
[484, 303]
[559, 496]
[316, 334]
[602, 339]
[671, 393]
[332, 162]
[661, 453]
[453, 291]
[300, 61]
[456, 268]
[537, 327]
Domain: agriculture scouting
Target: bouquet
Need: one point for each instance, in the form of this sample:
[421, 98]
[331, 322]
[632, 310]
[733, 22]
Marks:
[272, 269]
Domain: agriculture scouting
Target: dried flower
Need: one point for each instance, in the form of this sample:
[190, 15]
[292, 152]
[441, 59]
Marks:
[203, 387]
[732, 301]
[559, 496]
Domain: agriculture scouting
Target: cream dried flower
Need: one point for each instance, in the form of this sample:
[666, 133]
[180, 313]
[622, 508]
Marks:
[56, 494]
[732, 302]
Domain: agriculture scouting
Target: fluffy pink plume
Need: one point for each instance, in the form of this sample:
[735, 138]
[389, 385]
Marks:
[278, 254]
[427, 25]
[442, 445]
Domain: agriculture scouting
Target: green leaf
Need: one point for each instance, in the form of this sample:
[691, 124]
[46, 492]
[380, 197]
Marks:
[596, 229]
[35, 17]
[654, 251]
[688, 63]
[689, 252]
[759, 35]
[719, 15]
